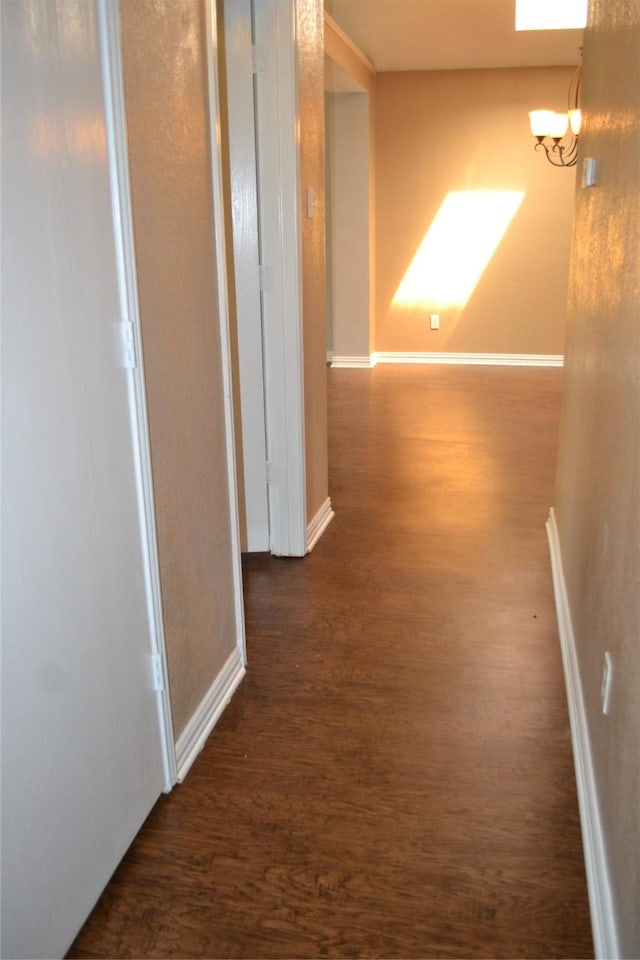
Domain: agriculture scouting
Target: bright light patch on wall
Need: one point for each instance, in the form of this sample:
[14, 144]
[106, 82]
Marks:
[457, 248]
[551, 14]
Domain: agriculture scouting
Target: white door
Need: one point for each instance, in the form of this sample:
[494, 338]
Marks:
[82, 758]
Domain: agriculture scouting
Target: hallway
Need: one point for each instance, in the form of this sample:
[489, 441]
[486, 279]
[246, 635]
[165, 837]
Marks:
[394, 777]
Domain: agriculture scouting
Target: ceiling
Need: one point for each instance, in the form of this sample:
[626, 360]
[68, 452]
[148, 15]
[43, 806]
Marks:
[449, 35]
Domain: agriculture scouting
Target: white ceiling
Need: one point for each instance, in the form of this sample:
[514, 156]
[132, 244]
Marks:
[449, 35]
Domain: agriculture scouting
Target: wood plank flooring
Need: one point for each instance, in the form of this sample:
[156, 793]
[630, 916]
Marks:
[394, 777]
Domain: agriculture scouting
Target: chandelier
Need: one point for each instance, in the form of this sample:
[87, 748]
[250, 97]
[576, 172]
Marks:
[557, 133]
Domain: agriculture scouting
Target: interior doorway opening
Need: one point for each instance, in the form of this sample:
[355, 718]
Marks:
[349, 201]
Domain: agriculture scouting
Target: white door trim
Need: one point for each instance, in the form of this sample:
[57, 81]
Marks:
[115, 123]
[281, 246]
[238, 42]
[223, 314]
[601, 904]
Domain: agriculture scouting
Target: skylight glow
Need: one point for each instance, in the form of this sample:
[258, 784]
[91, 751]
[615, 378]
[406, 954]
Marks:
[457, 248]
[551, 14]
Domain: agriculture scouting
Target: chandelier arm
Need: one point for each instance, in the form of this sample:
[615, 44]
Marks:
[549, 152]
[573, 95]
[557, 155]
[571, 155]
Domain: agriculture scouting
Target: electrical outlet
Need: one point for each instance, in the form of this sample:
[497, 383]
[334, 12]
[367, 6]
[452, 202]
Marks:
[607, 683]
[434, 321]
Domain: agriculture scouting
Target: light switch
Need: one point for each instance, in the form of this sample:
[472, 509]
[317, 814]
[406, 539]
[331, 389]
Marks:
[589, 172]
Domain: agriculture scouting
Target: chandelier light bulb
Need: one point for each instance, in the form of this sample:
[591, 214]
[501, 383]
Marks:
[559, 124]
[575, 120]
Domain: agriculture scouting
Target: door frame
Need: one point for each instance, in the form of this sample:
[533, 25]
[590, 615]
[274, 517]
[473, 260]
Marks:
[220, 241]
[243, 184]
[118, 161]
[281, 244]
[279, 327]
[108, 15]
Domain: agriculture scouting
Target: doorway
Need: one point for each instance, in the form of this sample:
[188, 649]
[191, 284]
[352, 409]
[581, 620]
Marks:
[349, 294]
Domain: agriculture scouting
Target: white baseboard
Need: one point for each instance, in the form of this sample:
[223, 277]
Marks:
[319, 524]
[603, 921]
[468, 359]
[354, 362]
[482, 359]
[195, 734]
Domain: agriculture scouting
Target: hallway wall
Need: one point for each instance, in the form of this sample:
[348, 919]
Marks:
[310, 52]
[347, 132]
[598, 481]
[346, 155]
[163, 48]
[468, 130]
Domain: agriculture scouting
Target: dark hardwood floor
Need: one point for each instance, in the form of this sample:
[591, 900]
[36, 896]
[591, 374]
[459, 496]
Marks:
[394, 777]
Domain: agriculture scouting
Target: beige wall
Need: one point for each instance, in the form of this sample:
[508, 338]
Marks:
[598, 482]
[468, 130]
[167, 120]
[352, 161]
[348, 235]
[312, 162]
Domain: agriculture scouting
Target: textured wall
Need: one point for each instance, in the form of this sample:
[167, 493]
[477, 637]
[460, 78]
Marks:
[167, 119]
[468, 130]
[309, 23]
[348, 157]
[598, 484]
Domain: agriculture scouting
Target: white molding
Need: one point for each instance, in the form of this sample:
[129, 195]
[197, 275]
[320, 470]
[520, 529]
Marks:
[246, 271]
[118, 159]
[354, 363]
[281, 244]
[348, 42]
[218, 696]
[466, 359]
[223, 318]
[319, 524]
[600, 900]
[482, 359]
